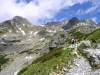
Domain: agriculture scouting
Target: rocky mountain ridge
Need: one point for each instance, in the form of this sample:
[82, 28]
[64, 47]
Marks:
[19, 34]
[19, 38]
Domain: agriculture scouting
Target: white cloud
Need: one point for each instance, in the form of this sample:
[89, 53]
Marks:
[94, 19]
[94, 8]
[35, 10]
[79, 12]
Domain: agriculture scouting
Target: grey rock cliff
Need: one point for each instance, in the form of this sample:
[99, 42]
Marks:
[71, 23]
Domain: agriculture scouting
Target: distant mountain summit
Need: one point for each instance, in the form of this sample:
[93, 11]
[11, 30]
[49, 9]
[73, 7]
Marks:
[17, 20]
[70, 23]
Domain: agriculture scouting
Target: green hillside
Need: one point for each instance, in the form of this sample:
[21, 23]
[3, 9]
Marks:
[53, 61]
[94, 35]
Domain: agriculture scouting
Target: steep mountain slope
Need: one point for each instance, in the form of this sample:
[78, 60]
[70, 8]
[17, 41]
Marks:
[19, 34]
[67, 59]
[22, 43]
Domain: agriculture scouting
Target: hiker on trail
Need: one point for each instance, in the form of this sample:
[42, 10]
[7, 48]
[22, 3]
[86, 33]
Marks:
[72, 41]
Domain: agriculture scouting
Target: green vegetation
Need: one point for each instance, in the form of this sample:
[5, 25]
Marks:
[77, 35]
[42, 32]
[37, 45]
[26, 51]
[56, 59]
[14, 41]
[53, 61]
[45, 57]
[3, 60]
[62, 35]
[94, 36]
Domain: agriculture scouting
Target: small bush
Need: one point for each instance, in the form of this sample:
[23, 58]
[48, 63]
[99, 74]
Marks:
[3, 60]
[14, 41]
[52, 54]
[62, 35]
[24, 52]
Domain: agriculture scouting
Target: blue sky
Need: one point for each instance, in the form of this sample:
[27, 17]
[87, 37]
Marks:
[43, 11]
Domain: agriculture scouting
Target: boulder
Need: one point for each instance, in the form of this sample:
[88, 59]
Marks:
[86, 43]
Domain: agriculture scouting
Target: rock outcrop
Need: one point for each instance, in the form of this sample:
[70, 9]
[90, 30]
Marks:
[72, 22]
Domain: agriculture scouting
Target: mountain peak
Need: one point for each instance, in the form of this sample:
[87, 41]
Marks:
[18, 20]
[74, 20]
[18, 17]
[71, 23]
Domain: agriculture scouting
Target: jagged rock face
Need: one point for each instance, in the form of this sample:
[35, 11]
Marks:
[87, 22]
[52, 23]
[86, 26]
[71, 23]
[55, 26]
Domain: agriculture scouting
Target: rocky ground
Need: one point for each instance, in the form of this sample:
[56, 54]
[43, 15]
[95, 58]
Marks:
[18, 63]
[80, 65]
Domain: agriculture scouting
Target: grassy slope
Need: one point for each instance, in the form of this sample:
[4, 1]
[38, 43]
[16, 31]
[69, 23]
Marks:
[77, 35]
[49, 63]
[94, 35]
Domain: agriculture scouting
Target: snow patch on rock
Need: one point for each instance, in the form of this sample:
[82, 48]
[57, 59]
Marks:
[42, 39]
[55, 31]
[31, 32]
[22, 31]
[42, 25]
[2, 42]
[4, 35]
[35, 33]
[28, 57]
[51, 31]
